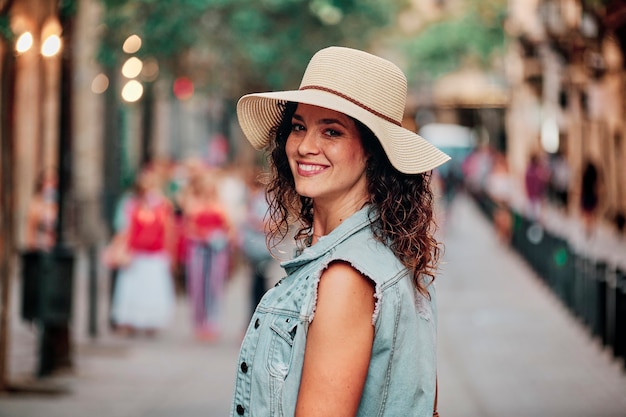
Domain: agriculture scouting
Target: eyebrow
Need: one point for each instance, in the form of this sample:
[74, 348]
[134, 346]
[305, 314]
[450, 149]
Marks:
[328, 121]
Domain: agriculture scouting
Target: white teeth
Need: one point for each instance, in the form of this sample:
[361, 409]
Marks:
[310, 168]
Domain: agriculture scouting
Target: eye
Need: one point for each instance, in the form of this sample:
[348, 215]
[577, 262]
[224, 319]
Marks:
[297, 127]
[332, 133]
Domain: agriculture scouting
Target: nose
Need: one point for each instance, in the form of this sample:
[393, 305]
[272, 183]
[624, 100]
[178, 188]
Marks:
[308, 144]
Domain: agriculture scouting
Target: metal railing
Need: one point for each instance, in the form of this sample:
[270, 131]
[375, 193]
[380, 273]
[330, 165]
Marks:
[593, 290]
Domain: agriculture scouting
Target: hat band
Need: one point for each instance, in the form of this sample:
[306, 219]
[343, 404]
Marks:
[350, 99]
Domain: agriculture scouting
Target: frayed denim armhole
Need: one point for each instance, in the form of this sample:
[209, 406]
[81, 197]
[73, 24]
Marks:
[378, 295]
[316, 281]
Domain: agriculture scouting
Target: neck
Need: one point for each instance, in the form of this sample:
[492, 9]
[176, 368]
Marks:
[326, 219]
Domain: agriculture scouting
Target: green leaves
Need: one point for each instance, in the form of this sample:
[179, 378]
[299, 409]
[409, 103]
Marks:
[476, 35]
[238, 46]
[5, 28]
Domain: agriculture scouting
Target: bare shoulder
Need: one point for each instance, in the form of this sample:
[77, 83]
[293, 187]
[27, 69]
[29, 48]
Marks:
[342, 287]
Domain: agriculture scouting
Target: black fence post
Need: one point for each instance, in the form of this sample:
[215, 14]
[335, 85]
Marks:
[579, 290]
[559, 269]
[611, 307]
[600, 288]
[47, 291]
[569, 279]
[619, 348]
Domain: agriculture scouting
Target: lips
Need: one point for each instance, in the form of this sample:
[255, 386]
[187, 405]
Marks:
[310, 169]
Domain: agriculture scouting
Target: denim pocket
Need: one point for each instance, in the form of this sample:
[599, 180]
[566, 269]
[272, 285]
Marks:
[280, 354]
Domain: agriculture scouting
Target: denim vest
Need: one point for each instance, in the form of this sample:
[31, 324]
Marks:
[402, 370]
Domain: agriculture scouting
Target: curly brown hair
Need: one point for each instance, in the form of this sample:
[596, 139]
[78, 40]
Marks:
[402, 214]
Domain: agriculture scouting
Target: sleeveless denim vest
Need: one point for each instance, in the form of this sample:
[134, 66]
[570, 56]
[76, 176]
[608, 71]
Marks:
[402, 371]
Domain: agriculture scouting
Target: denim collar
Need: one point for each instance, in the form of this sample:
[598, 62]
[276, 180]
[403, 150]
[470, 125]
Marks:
[350, 226]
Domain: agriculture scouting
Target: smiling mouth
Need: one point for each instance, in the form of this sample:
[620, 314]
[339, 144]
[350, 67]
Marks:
[310, 168]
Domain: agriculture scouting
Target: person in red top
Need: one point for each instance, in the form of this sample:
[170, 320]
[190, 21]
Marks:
[209, 236]
[536, 180]
[143, 298]
[148, 223]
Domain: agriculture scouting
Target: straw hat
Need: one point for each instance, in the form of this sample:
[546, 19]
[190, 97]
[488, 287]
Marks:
[363, 86]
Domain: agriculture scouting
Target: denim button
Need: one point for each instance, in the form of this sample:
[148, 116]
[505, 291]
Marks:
[240, 409]
[256, 323]
[244, 367]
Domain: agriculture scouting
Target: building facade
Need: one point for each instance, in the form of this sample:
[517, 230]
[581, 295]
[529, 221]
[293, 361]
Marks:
[565, 66]
[36, 109]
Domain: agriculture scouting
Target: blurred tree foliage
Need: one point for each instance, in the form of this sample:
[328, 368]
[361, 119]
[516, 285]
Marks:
[6, 34]
[237, 46]
[474, 33]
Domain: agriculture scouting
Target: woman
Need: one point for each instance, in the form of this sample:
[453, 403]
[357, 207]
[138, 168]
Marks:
[208, 233]
[350, 330]
[143, 298]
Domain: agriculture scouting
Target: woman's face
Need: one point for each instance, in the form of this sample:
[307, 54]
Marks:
[326, 156]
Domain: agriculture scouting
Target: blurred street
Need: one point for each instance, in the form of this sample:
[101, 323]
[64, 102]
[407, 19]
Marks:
[108, 108]
[507, 347]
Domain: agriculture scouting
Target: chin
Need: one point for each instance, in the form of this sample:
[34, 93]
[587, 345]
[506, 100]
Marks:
[305, 194]
[306, 191]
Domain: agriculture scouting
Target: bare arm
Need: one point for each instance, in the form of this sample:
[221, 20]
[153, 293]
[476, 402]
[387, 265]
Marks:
[339, 344]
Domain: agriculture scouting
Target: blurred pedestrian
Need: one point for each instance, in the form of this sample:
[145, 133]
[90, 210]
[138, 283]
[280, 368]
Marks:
[498, 188]
[42, 213]
[560, 178]
[209, 238]
[476, 168]
[351, 329]
[589, 196]
[143, 298]
[253, 243]
[173, 183]
[536, 180]
[232, 193]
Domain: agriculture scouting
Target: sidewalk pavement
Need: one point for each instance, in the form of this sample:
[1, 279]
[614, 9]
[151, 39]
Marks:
[507, 348]
[171, 374]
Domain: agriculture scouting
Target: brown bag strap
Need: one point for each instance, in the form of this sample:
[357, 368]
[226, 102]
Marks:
[435, 412]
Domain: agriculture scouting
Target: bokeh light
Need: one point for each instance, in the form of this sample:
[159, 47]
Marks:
[24, 42]
[326, 12]
[550, 135]
[150, 70]
[100, 84]
[183, 88]
[51, 46]
[132, 67]
[132, 91]
[132, 44]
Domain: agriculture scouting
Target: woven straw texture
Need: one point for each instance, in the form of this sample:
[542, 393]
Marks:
[363, 86]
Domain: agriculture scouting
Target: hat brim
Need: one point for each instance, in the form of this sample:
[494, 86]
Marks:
[408, 152]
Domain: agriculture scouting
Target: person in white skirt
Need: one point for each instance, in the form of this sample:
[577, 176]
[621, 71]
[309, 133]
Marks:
[144, 297]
